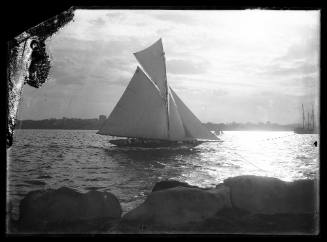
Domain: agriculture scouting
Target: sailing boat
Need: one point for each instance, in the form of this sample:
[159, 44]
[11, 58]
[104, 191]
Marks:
[310, 129]
[150, 113]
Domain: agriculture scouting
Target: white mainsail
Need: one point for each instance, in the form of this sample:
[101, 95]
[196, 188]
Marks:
[149, 108]
[140, 112]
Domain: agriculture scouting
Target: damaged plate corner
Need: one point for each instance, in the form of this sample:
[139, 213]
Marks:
[29, 63]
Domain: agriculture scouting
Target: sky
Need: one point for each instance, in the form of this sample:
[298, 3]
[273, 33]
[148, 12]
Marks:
[227, 66]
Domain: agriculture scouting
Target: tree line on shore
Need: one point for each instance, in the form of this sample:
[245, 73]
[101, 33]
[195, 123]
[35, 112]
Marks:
[95, 124]
[250, 126]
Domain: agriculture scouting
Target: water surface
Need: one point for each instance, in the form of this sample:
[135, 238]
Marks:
[84, 160]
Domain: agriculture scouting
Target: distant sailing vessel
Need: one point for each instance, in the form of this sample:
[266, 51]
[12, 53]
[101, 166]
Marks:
[310, 128]
[149, 113]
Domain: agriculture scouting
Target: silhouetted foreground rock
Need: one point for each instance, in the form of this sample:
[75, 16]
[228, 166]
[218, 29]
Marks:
[66, 210]
[267, 195]
[179, 205]
[170, 184]
[243, 204]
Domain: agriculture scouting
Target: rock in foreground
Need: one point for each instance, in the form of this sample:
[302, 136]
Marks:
[162, 185]
[178, 206]
[66, 210]
[241, 205]
[268, 195]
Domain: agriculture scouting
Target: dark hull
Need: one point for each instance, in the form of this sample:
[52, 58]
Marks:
[154, 143]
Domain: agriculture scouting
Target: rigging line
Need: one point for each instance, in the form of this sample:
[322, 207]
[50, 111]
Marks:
[251, 163]
[166, 98]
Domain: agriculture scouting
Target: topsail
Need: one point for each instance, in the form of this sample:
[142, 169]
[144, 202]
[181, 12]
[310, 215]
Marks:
[152, 60]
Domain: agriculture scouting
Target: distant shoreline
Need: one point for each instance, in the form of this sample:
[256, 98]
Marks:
[245, 130]
[95, 124]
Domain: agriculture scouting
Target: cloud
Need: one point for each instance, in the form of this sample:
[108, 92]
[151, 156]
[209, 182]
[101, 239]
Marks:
[98, 22]
[118, 63]
[79, 62]
[305, 48]
[182, 66]
[298, 68]
[219, 92]
[67, 71]
[116, 16]
[174, 16]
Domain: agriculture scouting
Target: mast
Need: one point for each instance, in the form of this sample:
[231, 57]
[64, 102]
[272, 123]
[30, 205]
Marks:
[303, 117]
[152, 59]
[166, 97]
[308, 120]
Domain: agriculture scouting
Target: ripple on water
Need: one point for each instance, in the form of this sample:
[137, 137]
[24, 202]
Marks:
[35, 182]
[94, 188]
[44, 177]
[21, 185]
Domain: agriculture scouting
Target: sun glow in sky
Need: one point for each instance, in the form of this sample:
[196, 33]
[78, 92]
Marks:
[243, 66]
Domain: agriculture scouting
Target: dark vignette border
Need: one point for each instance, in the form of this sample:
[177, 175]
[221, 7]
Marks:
[25, 15]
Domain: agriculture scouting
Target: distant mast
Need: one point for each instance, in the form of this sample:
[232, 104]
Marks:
[308, 121]
[313, 119]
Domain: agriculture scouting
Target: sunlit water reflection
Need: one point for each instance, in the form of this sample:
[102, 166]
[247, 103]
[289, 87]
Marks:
[84, 161]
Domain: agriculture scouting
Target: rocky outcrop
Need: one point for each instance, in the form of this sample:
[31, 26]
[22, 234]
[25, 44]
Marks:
[267, 195]
[170, 184]
[179, 206]
[66, 210]
[243, 204]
